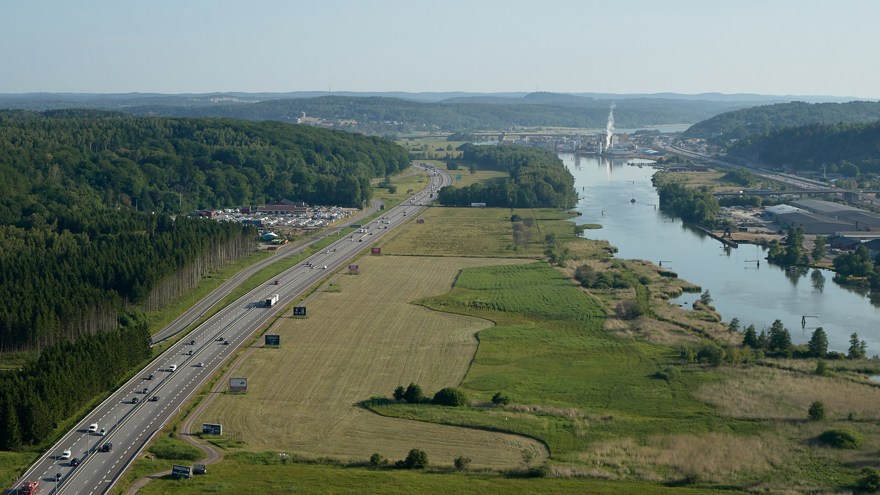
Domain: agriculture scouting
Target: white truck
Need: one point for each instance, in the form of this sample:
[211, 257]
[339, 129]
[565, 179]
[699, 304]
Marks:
[271, 301]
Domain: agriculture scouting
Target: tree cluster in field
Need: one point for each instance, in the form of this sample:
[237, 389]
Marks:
[773, 343]
[739, 176]
[415, 459]
[179, 165]
[618, 277]
[76, 275]
[413, 394]
[538, 179]
[65, 378]
[693, 205]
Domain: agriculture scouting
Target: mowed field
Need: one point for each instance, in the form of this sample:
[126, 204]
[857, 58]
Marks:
[478, 232]
[361, 342]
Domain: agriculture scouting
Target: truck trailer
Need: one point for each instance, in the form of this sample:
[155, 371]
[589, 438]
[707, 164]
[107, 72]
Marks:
[271, 301]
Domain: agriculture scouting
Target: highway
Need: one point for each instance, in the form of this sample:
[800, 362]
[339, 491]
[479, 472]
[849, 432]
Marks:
[139, 409]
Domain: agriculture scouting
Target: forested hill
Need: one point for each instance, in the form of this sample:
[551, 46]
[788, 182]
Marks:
[390, 113]
[88, 242]
[178, 165]
[740, 124]
[384, 115]
[851, 150]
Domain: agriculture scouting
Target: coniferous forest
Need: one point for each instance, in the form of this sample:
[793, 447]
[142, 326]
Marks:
[93, 225]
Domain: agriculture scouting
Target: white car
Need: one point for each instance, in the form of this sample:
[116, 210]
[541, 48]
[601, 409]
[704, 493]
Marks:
[199, 365]
[172, 367]
[102, 432]
[66, 454]
[93, 427]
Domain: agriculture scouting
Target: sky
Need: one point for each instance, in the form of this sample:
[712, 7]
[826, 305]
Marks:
[773, 47]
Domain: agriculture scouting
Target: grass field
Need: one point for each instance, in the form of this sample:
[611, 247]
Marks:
[481, 232]
[265, 475]
[360, 342]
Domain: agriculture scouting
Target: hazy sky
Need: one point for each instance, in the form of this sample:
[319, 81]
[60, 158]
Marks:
[782, 47]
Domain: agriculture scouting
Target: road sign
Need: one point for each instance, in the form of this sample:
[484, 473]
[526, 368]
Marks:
[376, 250]
[273, 340]
[238, 384]
[299, 311]
[420, 220]
[212, 429]
[179, 471]
[353, 269]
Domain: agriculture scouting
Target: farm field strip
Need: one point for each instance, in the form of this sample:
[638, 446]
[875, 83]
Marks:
[358, 343]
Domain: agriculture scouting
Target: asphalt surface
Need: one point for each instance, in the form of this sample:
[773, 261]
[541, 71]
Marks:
[132, 417]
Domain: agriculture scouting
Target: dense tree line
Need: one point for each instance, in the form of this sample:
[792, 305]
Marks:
[694, 205]
[72, 277]
[65, 377]
[177, 165]
[538, 178]
[846, 149]
[763, 120]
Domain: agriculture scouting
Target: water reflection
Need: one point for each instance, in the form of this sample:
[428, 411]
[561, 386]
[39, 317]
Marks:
[818, 280]
[742, 283]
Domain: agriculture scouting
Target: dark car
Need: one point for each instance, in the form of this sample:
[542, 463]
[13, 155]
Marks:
[107, 447]
[150, 377]
[225, 342]
[134, 400]
[154, 398]
[74, 462]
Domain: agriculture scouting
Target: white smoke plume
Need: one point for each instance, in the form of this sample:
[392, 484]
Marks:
[609, 127]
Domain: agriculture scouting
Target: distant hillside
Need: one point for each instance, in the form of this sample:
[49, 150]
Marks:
[740, 124]
[390, 113]
[848, 149]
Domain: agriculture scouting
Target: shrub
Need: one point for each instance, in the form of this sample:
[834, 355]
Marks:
[413, 394]
[816, 411]
[870, 480]
[450, 396]
[378, 459]
[461, 462]
[500, 399]
[399, 392]
[842, 438]
[416, 459]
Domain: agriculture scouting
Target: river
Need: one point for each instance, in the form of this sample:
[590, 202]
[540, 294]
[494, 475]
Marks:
[740, 288]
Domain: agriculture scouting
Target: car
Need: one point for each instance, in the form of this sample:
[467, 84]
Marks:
[65, 455]
[144, 391]
[172, 367]
[277, 282]
[57, 477]
[107, 447]
[199, 365]
[93, 427]
[154, 398]
[134, 400]
[225, 342]
[192, 342]
[324, 267]
[102, 432]
[220, 339]
[151, 376]
[74, 462]
[190, 353]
